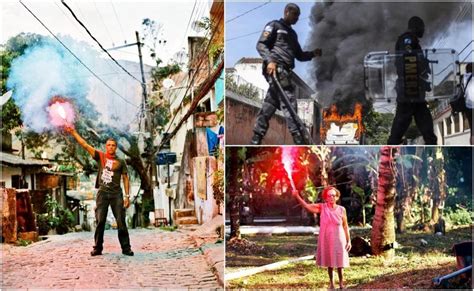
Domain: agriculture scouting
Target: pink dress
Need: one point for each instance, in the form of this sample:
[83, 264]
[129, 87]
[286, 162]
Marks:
[331, 250]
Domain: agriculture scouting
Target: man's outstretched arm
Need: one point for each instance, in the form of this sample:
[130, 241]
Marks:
[80, 140]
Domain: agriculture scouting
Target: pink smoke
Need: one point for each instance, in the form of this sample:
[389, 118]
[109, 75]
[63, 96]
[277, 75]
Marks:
[288, 155]
[61, 113]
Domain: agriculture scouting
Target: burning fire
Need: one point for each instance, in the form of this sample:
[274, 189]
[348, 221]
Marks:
[331, 116]
[61, 111]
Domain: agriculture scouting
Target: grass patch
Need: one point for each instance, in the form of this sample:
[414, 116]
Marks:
[414, 265]
[169, 228]
[23, 242]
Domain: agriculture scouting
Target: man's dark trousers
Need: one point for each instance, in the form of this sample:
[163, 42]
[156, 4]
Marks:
[115, 201]
[402, 120]
[271, 103]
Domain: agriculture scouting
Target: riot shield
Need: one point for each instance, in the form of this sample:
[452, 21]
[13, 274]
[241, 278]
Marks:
[429, 74]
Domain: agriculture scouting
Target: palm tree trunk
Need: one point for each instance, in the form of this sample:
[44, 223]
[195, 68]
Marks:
[383, 226]
[406, 198]
[233, 190]
[438, 185]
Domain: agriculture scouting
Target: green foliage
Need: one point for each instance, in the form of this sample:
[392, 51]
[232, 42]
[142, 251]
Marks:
[161, 116]
[169, 228]
[22, 41]
[246, 90]
[42, 222]
[218, 186]
[58, 217]
[377, 126]
[215, 50]
[23, 242]
[311, 191]
[459, 216]
[159, 73]
[220, 114]
[11, 116]
[242, 152]
[205, 23]
[420, 209]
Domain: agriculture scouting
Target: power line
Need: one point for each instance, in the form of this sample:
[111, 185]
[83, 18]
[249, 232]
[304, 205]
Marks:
[75, 24]
[65, 15]
[248, 11]
[189, 21]
[251, 33]
[116, 17]
[196, 73]
[462, 12]
[103, 22]
[100, 45]
[242, 36]
[75, 56]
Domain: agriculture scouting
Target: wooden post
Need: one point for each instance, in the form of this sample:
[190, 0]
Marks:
[9, 222]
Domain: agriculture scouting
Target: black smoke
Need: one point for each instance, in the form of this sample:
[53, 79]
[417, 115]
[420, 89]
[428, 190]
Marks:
[347, 31]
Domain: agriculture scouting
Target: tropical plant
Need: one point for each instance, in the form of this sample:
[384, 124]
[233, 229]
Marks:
[383, 225]
[58, 217]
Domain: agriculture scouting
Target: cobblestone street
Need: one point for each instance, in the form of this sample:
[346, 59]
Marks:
[162, 259]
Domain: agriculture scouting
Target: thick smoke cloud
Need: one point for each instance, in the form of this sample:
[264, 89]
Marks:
[348, 31]
[47, 69]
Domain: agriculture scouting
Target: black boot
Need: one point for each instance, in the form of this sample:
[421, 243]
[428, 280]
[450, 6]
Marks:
[256, 139]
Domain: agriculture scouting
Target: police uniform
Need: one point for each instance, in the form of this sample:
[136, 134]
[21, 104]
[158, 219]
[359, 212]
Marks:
[411, 91]
[279, 44]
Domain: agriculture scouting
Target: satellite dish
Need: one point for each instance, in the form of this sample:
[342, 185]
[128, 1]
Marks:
[5, 97]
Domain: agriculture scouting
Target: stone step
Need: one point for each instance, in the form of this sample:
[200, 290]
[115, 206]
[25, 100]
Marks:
[186, 220]
[183, 212]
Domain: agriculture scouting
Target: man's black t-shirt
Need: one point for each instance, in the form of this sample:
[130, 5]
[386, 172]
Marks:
[110, 172]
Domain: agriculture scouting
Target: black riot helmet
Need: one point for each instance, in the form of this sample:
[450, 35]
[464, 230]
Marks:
[417, 26]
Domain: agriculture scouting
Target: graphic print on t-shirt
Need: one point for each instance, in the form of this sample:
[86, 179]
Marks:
[107, 172]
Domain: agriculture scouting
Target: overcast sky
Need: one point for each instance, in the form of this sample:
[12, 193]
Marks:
[112, 22]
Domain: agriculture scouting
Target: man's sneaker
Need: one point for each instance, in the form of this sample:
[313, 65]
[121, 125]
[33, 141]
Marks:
[96, 253]
[256, 139]
[128, 253]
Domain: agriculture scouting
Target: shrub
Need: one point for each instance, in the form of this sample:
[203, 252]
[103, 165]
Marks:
[43, 224]
[460, 216]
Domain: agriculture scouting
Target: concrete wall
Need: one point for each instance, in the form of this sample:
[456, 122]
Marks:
[252, 73]
[451, 129]
[7, 173]
[240, 120]
[206, 208]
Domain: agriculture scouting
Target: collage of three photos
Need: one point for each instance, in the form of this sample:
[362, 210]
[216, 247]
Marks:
[236, 144]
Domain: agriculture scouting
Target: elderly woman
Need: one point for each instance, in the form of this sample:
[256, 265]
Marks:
[334, 241]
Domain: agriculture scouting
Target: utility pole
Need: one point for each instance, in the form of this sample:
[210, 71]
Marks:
[148, 119]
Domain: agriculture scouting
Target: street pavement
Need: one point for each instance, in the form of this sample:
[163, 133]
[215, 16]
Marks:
[162, 259]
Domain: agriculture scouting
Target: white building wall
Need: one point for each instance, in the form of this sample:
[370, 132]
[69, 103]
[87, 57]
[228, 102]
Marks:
[252, 73]
[205, 209]
[7, 173]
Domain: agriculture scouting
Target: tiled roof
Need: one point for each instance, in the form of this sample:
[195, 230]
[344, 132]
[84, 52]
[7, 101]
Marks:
[11, 159]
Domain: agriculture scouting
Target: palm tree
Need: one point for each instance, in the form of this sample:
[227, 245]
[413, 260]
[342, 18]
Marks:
[383, 225]
[408, 175]
[437, 182]
[233, 190]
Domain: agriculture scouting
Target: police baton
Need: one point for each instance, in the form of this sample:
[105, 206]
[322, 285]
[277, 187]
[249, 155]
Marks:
[299, 124]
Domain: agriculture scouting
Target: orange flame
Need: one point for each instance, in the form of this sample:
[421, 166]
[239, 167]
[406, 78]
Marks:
[332, 115]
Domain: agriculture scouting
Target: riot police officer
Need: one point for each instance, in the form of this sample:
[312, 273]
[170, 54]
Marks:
[278, 45]
[411, 86]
